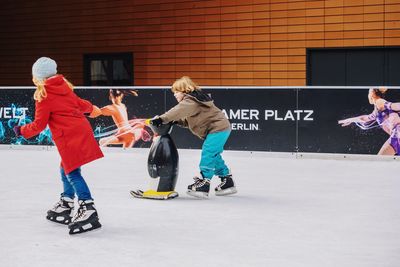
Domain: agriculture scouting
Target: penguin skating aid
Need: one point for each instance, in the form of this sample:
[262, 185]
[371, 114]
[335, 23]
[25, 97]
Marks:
[162, 166]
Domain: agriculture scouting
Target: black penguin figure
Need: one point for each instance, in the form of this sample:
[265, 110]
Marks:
[162, 165]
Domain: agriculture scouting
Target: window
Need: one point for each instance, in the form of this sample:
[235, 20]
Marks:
[354, 66]
[108, 69]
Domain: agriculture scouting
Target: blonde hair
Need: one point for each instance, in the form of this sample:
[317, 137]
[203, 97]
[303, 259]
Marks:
[184, 85]
[40, 92]
[382, 89]
[379, 91]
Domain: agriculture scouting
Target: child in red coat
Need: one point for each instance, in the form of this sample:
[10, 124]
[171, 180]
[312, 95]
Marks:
[60, 108]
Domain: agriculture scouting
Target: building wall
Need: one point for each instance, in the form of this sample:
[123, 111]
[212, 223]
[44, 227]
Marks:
[216, 42]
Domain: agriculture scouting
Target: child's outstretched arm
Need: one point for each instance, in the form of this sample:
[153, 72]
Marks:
[95, 112]
[42, 114]
[84, 105]
[184, 109]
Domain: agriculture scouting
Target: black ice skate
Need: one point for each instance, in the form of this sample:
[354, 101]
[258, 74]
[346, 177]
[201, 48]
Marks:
[226, 187]
[200, 188]
[85, 219]
[61, 212]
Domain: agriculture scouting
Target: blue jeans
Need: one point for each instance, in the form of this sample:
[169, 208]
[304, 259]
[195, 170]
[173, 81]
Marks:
[211, 161]
[75, 184]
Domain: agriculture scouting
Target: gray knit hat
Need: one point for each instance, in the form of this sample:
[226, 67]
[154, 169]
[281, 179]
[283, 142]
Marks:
[44, 68]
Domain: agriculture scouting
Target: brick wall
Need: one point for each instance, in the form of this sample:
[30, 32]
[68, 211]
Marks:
[221, 42]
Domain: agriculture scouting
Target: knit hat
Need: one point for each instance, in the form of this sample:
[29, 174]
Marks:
[44, 68]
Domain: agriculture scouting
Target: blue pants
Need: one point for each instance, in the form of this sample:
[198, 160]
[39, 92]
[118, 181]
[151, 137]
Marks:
[211, 161]
[75, 184]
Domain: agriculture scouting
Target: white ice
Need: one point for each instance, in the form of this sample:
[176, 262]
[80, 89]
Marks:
[288, 212]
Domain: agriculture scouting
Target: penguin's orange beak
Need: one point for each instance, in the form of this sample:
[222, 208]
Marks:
[147, 122]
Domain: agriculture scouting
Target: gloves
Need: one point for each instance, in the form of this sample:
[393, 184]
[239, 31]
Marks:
[156, 122]
[17, 131]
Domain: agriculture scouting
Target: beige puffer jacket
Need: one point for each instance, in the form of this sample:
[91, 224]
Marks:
[197, 112]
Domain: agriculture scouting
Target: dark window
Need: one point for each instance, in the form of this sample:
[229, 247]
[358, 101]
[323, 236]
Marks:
[108, 69]
[393, 67]
[353, 67]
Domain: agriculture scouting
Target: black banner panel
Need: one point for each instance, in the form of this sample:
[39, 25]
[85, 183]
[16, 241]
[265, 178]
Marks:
[257, 119]
[262, 119]
[18, 107]
[324, 134]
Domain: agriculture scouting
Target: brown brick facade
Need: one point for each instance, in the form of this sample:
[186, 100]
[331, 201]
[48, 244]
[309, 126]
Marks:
[215, 42]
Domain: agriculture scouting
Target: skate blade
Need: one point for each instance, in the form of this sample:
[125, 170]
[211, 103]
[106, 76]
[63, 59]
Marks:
[151, 194]
[56, 219]
[197, 194]
[85, 228]
[228, 191]
[137, 193]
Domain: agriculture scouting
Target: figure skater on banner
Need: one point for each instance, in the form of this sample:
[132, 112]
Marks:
[128, 132]
[384, 115]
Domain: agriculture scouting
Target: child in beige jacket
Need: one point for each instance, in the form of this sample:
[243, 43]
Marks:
[196, 110]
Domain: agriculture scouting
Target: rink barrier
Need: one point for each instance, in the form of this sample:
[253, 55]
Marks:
[230, 153]
[288, 119]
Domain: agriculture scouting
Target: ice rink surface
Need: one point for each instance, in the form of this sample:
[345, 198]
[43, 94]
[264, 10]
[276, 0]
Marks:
[288, 212]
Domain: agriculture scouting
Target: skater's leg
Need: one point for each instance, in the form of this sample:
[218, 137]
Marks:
[211, 150]
[392, 145]
[111, 140]
[127, 140]
[61, 211]
[220, 167]
[387, 149]
[78, 183]
[211, 159]
[85, 218]
[68, 188]
[227, 185]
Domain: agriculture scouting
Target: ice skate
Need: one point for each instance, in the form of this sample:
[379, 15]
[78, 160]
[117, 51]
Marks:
[61, 212]
[199, 188]
[226, 187]
[85, 219]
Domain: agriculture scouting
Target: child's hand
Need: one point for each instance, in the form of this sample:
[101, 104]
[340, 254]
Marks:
[95, 112]
[156, 122]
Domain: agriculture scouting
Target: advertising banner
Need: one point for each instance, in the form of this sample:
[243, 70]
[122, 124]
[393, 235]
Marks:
[123, 126]
[17, 107]
[324, 133]
[262, 119]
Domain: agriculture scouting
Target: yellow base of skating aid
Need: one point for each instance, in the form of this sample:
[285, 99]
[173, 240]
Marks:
[151, 194]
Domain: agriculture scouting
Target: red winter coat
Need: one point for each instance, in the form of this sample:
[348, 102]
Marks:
[64, 112]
